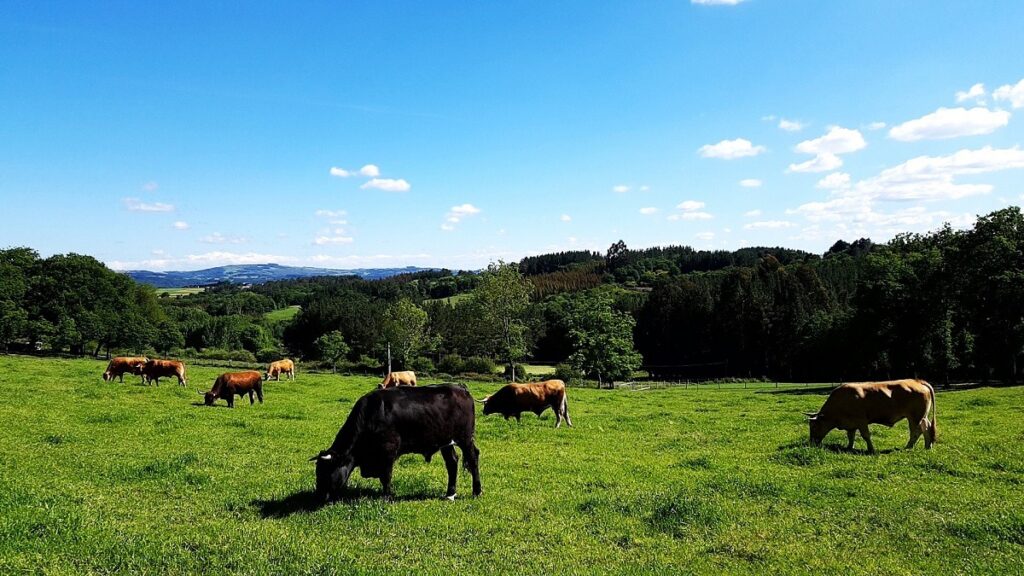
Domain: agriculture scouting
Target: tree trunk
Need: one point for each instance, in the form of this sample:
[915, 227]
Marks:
[389, 358]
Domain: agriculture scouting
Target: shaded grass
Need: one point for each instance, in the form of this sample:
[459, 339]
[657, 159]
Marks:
[104, 477]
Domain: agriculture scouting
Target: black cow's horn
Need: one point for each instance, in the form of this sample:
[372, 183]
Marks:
[810, 414]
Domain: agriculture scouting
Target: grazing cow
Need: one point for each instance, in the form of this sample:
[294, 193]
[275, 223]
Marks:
[275, 370]
[154, 370]
[385, 424]
[230, 384]
[853, 406]
[406, 378]
[536, 397]
[118, 366]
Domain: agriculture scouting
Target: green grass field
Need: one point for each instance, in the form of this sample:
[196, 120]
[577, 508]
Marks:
[282, 314]
[178, 292]
[103, 478]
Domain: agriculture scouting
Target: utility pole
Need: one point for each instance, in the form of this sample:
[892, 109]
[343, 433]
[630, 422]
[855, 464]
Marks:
[389, 357]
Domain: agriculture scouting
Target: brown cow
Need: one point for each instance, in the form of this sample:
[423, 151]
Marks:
[275, 370]
[406, 378]
[854, 406]
[118, 366]
[536, 397]
[230, 384]
[154, 370]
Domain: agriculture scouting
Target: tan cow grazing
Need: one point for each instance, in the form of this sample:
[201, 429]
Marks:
[154, 370]
[406, 378]
[536, 397]
[275, 370]
[118, 366]
[230, 384]
[854, 406]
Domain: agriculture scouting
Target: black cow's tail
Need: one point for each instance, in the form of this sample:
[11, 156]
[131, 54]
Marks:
[935, 412]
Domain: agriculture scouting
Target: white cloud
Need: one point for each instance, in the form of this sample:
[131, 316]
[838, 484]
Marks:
[648, 210]
[790, 125]
[876, 125]
[457, 214]
[731, 149]
[150, 186]
[706, 236]
[338, 239]
[331, 213]
[387, 184]
[752, 213]
[933, 177]
[136, 205]
[370, 170]
[751, 183]
[837, 140]
[687, 216]
[690, 205]
[340, 172]
[621, 188]
[768, 225]
[1014, 94]
[180, 225]
[218, 238]
[644, 188]
[976, 92]
[834, 181]
[950, 123]
[820, 163]
[716, 2]
[565, 218]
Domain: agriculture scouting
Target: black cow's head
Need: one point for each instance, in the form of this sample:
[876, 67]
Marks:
[489, 407]
[332, 472]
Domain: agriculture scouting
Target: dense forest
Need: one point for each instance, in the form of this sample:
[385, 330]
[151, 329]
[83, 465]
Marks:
[947, 305]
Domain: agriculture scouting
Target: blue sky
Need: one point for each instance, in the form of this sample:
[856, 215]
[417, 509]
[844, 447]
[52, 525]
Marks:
[191, 134]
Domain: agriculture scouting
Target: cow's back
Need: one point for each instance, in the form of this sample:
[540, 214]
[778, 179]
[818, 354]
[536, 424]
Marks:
[422, 418]
[857, 403]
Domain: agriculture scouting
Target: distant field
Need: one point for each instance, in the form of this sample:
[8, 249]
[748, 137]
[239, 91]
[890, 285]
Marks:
[178, 292]
[283, 314]
[105, 478]
[452, 299]
[539, 369]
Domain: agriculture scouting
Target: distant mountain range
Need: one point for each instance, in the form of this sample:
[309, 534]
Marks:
[256, 274]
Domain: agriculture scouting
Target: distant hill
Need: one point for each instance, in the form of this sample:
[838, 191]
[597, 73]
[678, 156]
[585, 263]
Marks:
[256, 274]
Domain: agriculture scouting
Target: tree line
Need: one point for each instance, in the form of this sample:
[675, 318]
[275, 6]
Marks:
[943, 305]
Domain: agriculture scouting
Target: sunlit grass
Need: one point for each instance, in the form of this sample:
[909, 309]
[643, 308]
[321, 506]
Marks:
[104, 477]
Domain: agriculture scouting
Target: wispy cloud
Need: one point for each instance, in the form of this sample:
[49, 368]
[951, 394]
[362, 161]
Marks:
[218, 238]
[180, 225]
[834, 181]
[752, 213]
[328, 240]
[387, 184]
[790, 125]
[730, 149]
[457, 214]
[136, 205]
[150, 186]
[331, 213]
[620, 188]
[340, 172]
[976, 93]
[690, 210]
[716, 2]
[565, 218]
[768, 225]
[1013, 94]
[827, 148]
[947, 123]
[751, 183]
[370, 170]
[648, 210]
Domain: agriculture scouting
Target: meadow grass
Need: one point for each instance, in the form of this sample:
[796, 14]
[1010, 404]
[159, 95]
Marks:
[178, 292]
[282, 314]
[101, 478]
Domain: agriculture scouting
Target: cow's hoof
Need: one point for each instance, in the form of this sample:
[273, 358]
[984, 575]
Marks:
[451, 498]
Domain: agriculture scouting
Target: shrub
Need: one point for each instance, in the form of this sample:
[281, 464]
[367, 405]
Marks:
[521, 375]
[566, 373]
[478, 365]
[242, 356]
[422, 365]
[268, 355]
[451, 364]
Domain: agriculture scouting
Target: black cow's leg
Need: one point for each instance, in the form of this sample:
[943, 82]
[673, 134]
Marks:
[231, 401]
[451, 462]
[867, 438]
[385, 479]
[850, 435]
[471, 455]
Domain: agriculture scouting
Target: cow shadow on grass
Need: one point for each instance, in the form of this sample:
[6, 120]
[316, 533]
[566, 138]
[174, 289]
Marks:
[203, 405]
[834, 448]
[306, 501]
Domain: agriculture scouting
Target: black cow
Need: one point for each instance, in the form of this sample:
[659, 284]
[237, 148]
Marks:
[385, 424]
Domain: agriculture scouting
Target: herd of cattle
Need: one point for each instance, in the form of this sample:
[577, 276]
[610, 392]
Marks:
[400, 417]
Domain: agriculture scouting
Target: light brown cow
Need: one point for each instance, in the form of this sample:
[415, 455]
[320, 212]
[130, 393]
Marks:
[121, 364]
[854, 406]
[536, 397]
[230, 384]
[154, 370]
[275, 370]
[406, 378]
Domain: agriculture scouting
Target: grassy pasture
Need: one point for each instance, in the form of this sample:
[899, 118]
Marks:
[119, 478]
[178, 292]
[283, 314]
